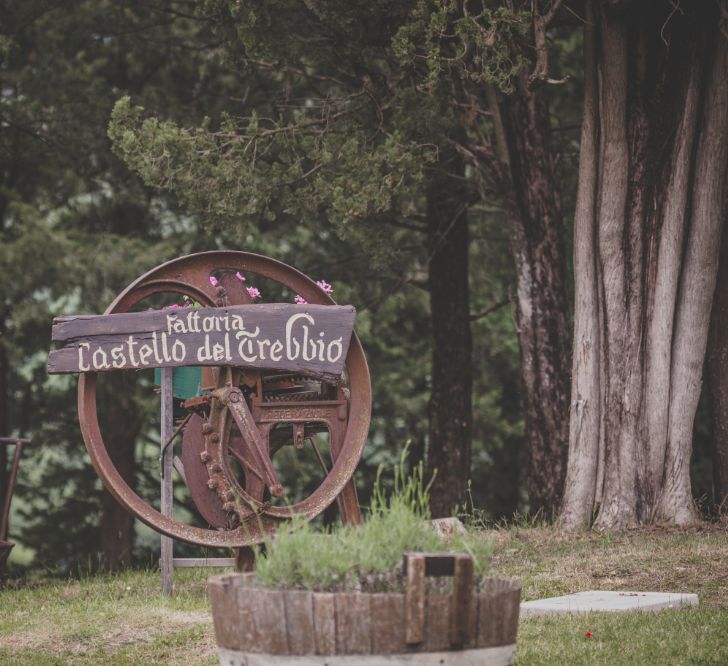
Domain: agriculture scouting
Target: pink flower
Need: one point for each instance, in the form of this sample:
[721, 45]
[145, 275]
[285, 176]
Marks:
[325, 286]
[300, 300]
[240, 277]
[213, 281]
[253, 292]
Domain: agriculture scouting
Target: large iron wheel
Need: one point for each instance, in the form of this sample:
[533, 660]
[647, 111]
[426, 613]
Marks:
[253, 516]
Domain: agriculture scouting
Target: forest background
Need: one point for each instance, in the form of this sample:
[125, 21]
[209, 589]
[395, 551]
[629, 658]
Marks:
[423, 157]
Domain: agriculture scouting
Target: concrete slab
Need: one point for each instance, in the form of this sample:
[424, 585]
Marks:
[608, 601]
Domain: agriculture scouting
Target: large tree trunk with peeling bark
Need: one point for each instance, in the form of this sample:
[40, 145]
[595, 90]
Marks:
[515, 160]
[650, 205]
[717, 371]
[526, 177]
[450, 408]
[516, 164]
[536, 233]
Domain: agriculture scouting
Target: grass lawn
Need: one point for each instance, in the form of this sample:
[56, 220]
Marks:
[125, 620]
[549, 564]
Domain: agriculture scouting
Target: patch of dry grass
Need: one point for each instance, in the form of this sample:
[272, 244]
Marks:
[550, 562]
[108, 619]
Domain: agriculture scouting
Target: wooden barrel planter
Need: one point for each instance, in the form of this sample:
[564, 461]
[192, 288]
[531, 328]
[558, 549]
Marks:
[256, 626]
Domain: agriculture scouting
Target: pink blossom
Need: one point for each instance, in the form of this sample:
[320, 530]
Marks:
[170, 307]
[240, 277]
[253, 292]
[325, 286]
[213, 281]
[300, 300]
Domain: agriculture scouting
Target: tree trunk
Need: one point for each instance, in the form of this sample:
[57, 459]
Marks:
[717, 370]
[647, 229]
[533, 206]
[117, 530]
[450, 408]
[121, 425]
[582, 486]
[4, 421]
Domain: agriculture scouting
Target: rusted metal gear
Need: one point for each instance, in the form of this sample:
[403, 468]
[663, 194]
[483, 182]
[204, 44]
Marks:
[247, 516]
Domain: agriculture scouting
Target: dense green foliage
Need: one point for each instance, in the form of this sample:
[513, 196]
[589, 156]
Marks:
[307, 135]
[76, 228]
[352, 129]
[346, 111]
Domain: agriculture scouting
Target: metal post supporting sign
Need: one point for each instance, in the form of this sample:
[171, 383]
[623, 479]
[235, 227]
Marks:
[167, 424]
[167, 462]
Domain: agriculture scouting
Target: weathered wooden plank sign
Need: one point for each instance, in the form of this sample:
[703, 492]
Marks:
[310, 339]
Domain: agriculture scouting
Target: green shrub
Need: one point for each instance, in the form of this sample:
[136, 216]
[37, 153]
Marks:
[367, 557]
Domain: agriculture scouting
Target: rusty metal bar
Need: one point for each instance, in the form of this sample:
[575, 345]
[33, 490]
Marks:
[12, 478]
[177, 431]
[237, 406]
[322, 462]
[320, 458]
[188, 562]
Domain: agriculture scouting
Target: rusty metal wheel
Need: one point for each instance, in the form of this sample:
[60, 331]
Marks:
[252, 516]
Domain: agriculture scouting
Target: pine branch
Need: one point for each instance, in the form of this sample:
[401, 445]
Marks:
[490, 309]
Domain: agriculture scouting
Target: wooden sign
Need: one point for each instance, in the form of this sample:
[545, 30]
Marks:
[311, 339]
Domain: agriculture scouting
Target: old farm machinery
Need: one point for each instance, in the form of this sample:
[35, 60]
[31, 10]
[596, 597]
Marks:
[274, 375]
[6, 496]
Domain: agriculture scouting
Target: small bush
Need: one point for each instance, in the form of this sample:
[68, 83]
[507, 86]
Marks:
[367, 557]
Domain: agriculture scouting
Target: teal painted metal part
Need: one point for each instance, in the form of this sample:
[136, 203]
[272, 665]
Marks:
[185, 384]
